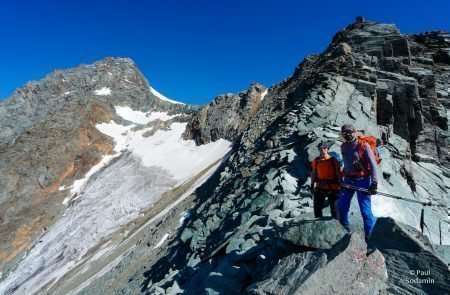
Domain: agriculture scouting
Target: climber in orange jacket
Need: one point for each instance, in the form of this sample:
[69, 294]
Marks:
[327, 175]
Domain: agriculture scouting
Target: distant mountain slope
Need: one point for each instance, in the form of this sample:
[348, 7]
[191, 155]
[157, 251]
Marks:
[84, 152]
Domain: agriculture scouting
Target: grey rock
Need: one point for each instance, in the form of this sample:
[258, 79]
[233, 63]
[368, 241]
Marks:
[225, 117]
[443, 251]
[318, 233]
[409, 256]
[289, 205]
[344, 269]
[288, 183]
[442, 56]
[234, 244]
[273, 187]
[216, 283]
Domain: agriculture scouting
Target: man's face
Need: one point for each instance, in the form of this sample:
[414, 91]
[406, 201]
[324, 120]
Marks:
[323, 150]
[348, 135]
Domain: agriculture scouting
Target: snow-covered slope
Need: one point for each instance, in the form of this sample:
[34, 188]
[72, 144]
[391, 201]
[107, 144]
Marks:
[162, 97]
[113, 193]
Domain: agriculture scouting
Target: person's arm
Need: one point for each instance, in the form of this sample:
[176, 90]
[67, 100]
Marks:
[372, 162]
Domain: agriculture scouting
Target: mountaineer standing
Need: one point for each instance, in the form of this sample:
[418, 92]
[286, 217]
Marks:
[360, 170]
[326, 173]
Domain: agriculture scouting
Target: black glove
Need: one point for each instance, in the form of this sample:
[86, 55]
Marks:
[312, 189]
[373, 188]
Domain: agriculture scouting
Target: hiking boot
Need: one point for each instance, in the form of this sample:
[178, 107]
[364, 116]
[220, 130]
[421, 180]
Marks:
[370, 247]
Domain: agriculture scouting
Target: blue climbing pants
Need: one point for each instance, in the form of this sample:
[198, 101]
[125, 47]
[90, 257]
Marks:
[345, 198]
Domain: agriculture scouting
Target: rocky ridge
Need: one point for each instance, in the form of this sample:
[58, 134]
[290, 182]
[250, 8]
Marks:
[383, 82]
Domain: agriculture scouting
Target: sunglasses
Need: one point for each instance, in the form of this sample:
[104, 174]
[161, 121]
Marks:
[347, 132]
[323, 148]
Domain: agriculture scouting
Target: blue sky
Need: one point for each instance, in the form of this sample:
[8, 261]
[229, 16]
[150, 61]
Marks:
[189, 50]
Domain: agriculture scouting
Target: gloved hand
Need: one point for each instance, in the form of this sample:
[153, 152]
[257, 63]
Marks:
[312, 189]
[373, 188]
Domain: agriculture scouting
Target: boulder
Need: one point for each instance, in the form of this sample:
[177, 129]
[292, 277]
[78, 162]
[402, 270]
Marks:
[321, 233]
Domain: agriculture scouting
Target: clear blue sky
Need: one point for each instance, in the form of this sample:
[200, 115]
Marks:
[189, 50]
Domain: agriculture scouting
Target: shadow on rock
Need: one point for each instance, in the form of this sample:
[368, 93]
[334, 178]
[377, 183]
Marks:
[412, 265]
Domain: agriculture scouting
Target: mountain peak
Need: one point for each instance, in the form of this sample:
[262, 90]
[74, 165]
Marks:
[368, 36]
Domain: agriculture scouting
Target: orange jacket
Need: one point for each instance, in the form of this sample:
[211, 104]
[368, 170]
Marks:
[326, 173]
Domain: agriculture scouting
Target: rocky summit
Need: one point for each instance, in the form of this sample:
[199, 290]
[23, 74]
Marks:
[108, 187]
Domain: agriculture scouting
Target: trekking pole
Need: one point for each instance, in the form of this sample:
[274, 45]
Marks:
[352, 187]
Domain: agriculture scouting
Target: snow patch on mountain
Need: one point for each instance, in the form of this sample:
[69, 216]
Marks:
[182, 158]
[264, 94]
[79, 183]
[140, 117]
[162, 97]
[166, 149]
[103, 91]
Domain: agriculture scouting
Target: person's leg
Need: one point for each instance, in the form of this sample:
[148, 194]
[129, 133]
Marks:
[344, 200]
[319, 198]
[332, 199]
[365, 206]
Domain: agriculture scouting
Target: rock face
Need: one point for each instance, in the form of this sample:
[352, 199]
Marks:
[403, 74]
[226, 116]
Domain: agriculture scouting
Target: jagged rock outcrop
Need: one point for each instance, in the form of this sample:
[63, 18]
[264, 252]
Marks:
[226, 116]
[404, 74]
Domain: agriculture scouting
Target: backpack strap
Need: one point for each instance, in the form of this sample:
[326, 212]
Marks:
[362, 156]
